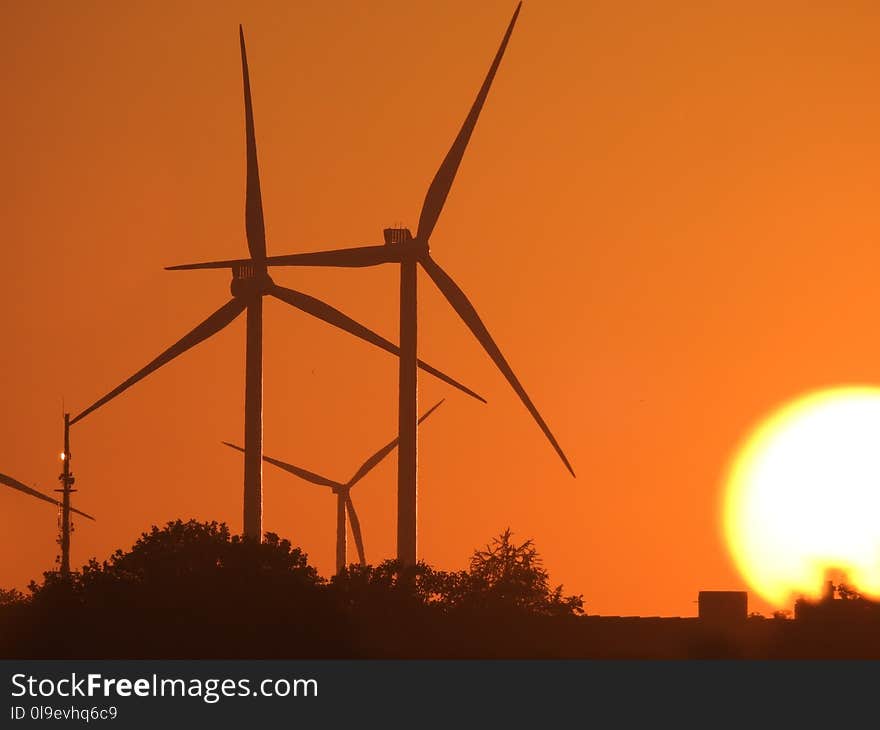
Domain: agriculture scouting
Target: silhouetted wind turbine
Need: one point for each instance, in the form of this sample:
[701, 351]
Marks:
[401, 248]
[250, 283]
[66, 479]
[343, 494]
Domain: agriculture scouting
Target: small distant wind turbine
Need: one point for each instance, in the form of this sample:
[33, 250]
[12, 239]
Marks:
[409, 252]
[342, 492]
[250, 283]
[67, 480]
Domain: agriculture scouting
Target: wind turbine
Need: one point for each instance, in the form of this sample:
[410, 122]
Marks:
[409, 252]
[343, 494]
[250, 283]
[67, 481]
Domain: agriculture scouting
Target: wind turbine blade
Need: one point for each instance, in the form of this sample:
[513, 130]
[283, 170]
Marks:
[228, 264]
[89, 517]
[309, 476]
[15, 484]
[355, 529]
[431, 410]
[356, 257]
[21, 487]
[446, 379]
[440, 186]
[466, 311]
[333, 316]
[377, 458]
[373, 462]
[211, 326]
[253, 207]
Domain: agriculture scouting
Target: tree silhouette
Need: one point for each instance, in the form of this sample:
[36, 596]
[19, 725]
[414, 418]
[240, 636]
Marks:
[506, 576]
[189, 590]
[194, 590]
[386, 585]
[11, 597]
[848, 593]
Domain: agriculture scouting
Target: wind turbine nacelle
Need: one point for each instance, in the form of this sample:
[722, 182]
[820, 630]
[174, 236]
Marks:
[249, 280]
[396, 236]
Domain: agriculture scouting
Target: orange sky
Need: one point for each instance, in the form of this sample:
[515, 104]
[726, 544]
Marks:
[665, 216]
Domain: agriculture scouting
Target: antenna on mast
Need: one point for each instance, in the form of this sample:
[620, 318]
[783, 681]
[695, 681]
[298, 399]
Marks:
[67, 481]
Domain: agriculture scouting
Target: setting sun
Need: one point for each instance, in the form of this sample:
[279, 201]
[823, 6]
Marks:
[803, 496]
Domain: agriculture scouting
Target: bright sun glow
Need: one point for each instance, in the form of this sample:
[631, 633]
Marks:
[803, 496]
